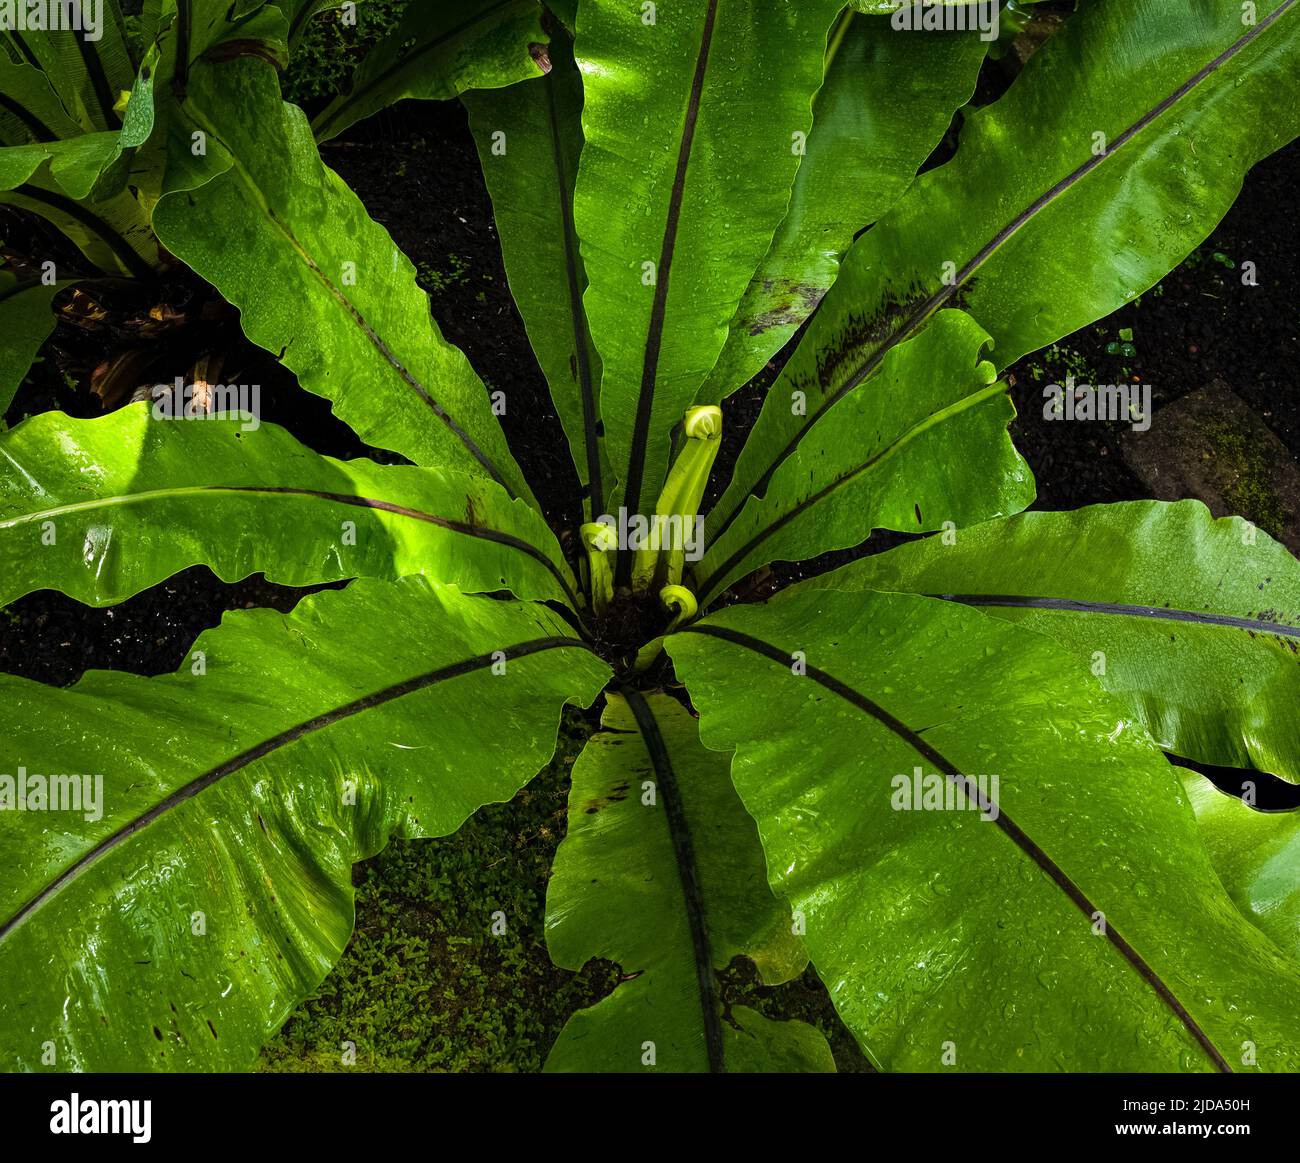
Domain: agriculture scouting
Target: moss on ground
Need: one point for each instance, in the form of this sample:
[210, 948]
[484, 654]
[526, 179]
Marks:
[1059, 361]
[322, 64]
[424, 985]
[1246, 477]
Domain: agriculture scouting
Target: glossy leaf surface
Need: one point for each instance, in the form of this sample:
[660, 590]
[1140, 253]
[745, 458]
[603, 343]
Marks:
[529, 139]
[27, 320]
[1082, 928]
[925, 444]
[208, 889]
[102, 509]
[438, 51]
[884, 104]
[1114, 153]
[1257, 856]
[1193, 623]
[87, 75]
[324, 286]
[661, 872]
[690, 121]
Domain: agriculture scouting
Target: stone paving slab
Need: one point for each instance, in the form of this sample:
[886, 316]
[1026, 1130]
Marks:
[1211, 445]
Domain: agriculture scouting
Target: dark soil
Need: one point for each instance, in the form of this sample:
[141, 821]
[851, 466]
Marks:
[53, 639]
[418, 173]
[1199, 323]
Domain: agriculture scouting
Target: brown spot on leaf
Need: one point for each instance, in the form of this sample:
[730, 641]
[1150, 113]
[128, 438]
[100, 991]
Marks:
[233, 49]
[541, 55]
[797, 301]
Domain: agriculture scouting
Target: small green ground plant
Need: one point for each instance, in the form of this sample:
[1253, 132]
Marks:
[939, 774]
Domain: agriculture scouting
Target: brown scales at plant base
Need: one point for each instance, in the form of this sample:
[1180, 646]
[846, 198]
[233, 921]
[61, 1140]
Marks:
[631, 622]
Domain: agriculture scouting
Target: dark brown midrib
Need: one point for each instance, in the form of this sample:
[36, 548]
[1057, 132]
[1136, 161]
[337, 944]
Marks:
[328, 118]
[922, 312]
[479, 531]
[1004, 822]
[705, 587]
[1080, 606]
[261, 750]
[354, 313]
[35, 125]
[688, 872]
[304, 14]
[184, 29]
[98, 80]
[114, 241]
[663, 273]
[581, 337]
[25, 49]
[376, 341]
